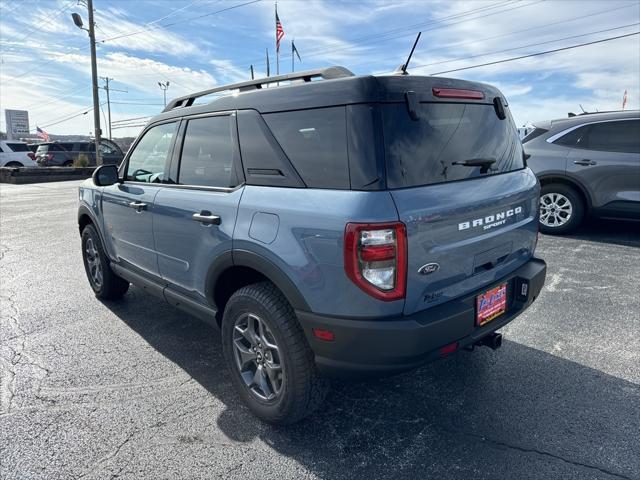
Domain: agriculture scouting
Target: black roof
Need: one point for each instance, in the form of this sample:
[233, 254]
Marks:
[299, 91]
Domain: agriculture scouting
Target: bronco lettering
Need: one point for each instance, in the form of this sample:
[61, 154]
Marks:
[490, 220]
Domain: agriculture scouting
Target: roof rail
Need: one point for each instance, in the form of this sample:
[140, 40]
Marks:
[328, 73]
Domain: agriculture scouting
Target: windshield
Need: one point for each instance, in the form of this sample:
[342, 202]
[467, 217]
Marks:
[449, 142]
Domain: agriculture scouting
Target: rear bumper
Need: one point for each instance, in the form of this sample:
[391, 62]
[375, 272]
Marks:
[390, 345]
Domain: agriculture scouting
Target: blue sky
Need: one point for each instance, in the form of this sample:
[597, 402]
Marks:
[45, 59]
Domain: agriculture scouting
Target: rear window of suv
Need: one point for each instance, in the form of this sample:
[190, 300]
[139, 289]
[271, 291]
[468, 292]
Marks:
[429, 150]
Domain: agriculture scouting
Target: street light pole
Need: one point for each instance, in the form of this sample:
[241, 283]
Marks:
[164, 86]
[94, 75]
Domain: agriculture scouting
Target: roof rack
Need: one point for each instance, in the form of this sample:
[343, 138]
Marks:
[328, 73]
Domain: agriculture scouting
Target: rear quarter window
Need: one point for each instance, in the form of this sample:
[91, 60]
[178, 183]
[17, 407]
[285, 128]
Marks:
[315, 141]
[18, 147]
[428, 150]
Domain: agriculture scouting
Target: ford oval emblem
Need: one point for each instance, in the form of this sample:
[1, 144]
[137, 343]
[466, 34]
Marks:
[428, 268]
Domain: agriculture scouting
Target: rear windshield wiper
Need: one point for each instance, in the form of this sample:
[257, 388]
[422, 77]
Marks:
[483, 163]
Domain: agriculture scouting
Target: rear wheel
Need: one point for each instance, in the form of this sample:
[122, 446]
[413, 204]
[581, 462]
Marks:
[14, 164]
[271, 364]
[104, 282]
[68, 163]
[561, 209]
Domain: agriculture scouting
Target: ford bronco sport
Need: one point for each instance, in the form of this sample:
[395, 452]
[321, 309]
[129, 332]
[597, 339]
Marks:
[330, 224]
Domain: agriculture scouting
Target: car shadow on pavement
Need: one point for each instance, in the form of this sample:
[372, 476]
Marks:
[516, 413]
[618, 232]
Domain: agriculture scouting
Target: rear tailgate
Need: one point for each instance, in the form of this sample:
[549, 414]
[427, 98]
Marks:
[473, 237]
[458, 179]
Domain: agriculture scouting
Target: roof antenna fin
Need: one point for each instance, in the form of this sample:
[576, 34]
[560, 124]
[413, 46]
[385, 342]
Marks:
[402, 69]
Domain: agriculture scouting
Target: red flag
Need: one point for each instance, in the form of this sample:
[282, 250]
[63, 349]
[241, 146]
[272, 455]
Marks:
[624, 100]
[279, 31]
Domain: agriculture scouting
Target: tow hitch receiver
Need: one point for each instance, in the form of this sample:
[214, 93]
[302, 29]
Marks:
[493, 341]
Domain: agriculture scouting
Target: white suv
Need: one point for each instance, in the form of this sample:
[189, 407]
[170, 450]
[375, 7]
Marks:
[16, 154]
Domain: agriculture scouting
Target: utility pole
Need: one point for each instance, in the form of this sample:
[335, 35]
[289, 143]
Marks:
[107, 89]
[164, 86]
[94, 80]
[94, 75]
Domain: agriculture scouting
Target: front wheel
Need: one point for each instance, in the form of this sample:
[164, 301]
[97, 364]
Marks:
[104, 282]
[561, 209]
[271, 364]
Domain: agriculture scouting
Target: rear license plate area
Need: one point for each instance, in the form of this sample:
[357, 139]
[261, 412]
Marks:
[491, 304]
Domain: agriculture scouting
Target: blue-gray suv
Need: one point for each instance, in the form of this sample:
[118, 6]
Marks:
[328, 224]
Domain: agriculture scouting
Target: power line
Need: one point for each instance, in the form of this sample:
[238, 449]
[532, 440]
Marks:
[529, 45]
[534, 54]
[516, 32]
[394, 33]
[87, 110]
[39, 23]
[129, 119]
[130, 34]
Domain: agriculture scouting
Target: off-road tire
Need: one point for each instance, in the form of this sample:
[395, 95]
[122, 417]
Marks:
[112, 287]
[303, 389]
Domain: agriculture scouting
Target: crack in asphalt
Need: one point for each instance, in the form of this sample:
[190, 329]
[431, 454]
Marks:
[539, 452]
[114, 453]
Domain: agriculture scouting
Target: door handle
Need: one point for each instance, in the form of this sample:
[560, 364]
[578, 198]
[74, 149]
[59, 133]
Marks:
[206, 218]
[139, 206]
[585, 162]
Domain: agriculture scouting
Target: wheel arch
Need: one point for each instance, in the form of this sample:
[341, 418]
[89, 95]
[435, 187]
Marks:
[86, 217]
[570, 182]
[234, 270]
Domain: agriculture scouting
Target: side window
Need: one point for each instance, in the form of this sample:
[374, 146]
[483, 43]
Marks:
[147, 161]
[623, 136]
[316, 143]
[576, 138]
[106, 149]
[207, 153]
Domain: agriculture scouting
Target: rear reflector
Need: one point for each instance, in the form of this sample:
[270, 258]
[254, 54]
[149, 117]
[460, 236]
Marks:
[457, 93]
[326, 335]
[448, 349]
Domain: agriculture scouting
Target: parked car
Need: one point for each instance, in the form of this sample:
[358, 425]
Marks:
[587, 164]
[15, 154]
[65, 154]
[350, 225]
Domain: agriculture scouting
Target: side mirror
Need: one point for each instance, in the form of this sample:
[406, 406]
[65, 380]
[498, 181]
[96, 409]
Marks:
[105, 175]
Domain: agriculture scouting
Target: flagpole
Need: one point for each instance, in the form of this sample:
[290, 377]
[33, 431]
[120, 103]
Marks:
[277, 49]
[268, 63]
[292, 65]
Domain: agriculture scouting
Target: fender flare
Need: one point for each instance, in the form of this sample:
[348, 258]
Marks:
[257, 262]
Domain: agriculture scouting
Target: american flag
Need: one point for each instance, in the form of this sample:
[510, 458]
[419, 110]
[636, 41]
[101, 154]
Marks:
[279, 32]
[42, 134]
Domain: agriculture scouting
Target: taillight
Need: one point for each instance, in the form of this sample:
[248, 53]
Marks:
[32, 156]
[375, 258]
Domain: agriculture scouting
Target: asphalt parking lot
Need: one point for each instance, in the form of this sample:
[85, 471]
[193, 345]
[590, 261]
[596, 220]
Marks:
[136, 389]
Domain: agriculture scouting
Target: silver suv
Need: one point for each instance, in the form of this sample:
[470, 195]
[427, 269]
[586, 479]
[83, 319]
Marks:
[586, 164]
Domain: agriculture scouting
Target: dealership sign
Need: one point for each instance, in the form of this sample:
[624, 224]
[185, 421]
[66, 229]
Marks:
[17, 123]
